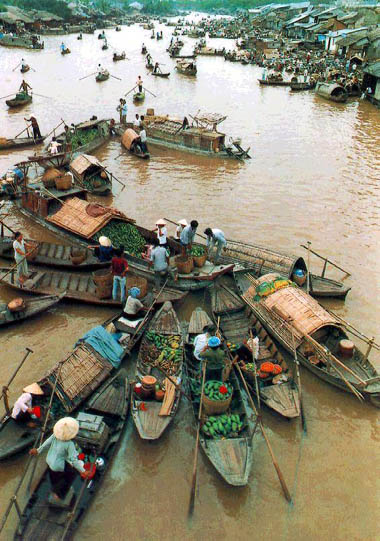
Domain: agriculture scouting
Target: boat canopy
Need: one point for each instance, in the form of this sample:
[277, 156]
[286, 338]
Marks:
[128, 137]
[83, 162]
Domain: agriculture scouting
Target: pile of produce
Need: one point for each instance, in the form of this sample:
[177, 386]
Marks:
[163, 350]
[123, 234]
[83, 137]
[198, 251]
[217, 390]
[226, 425]
[232, 347]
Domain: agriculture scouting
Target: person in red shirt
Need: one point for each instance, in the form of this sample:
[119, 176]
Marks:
[119, 268]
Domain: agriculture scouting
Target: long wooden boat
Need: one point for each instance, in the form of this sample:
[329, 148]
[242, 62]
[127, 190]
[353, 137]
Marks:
[26, 41]
[87, 137]
[161, 74]
[236, 320]
[19, 100]
[295, 319]
[231, 456]
[91, 174]
[65, 51]
[19, 142]
[186, 68]
[83, 370]
[101, 426]
[262, 260]
[79, 287]
[68, 222]
[150, 416]
[51, 254]
[296, 86]
[116, 57]
[32, 308]
[273, 82]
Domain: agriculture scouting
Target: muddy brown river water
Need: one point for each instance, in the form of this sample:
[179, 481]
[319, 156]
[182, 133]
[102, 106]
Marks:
[314, 175]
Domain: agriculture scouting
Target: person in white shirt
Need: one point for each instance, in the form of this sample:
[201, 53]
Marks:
[134, 308]
[162, 232]
[137, 123]
[180, 227]
[215, 238]
[139, 83]
[20, 257]
[143, 144]
[201, 340]
[53, 147]
[22, 410]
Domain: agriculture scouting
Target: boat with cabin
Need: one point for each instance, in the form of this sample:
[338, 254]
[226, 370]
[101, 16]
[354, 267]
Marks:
[26, 41]
[90, 174]
[186, 67]
[331, 92]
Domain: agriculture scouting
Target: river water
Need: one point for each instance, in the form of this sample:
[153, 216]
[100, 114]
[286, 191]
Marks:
[314, 175]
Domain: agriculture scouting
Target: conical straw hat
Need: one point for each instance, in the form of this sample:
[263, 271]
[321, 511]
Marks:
[33, 388]
[66, 429]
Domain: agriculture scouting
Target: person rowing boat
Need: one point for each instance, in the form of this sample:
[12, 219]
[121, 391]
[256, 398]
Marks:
[24, 86]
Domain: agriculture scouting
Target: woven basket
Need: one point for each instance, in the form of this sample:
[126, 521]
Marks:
[49, 177]
[136, 281]
[16, 305]
[200, 260]
[77, 255]
[103, 292]
[184, 264]
[102, 278]
[212, 407]
[63, 183]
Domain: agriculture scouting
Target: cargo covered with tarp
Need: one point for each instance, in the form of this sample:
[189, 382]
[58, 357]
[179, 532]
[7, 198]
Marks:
[79, 374]
[128, 137]
[85, 219]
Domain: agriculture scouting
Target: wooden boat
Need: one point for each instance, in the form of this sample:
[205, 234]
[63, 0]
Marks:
[274, 82]
[90, 174]
[65, 51]
[54, 254]
[236, 320]
[331, 91]
[289, 312]
[68, 222]
[160, 74]
[128, 141]
[26, 41]
[19, 100]
[31, 308]
[262, 260]
[143, 50]
[231, 456]
[79, 287]
[139, 96]
[103, 76]
[116, 57]
[101, 426]
[183, 56]
[104, 47]
[87, 136]
[149, 66]
[19, 142]
[302, 86]
[186, 68]
[150, 416]
[25, 68]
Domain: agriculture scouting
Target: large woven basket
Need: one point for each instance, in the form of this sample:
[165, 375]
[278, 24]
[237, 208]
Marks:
[184, 264]
[102, 277]
[77, 255]
[63, 183]
[212, 407]
[200, 260]
[103, 291]
[136, 281]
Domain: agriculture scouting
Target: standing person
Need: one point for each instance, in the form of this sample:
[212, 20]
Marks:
[35, 126]
[119, 268]
[124, 112]
[23, 65]
[105, 251]
[63, 47]
[68, 138]
[180, 227]
[162, 232]
[156, 68]
[215, 237]
[119, 108]
[139, 83]
[137, 123]
[134, 308]
[24, 87]
[305, 74]
[187, 236]
[20, 257]
[201, 341]
[159, 258]
[143, 145]
[62, 457]
[215, 359]
[22, 410]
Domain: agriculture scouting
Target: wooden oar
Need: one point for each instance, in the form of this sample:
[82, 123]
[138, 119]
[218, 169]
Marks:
[42, 96]
[16, 66]
[308, 268]
[7, 96]
[118, 78]
[132, 89]
[173, 382]
[32, 68]
[274, 461]
[21, 132]
[154, 95]
[302, 410]
[4, 393]
[15, 266]
[81, 79]
[195, 464]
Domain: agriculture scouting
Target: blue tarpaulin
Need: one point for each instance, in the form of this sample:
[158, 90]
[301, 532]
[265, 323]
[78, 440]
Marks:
[104, 343]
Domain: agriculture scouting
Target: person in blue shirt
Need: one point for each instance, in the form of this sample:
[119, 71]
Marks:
[105, 251]
[187, 237]
[63, 47]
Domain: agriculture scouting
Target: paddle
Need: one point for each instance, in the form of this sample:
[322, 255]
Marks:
[118, 78]
[195, 464]
[130, 91]
[7, 96]
[42, 96]
[16, 66]
[154, 95]
[32, 68]
[308, 268]
[303, 419]
[15, 266]
[81, 79]
[4, 393]
[21, 132]
[274, 461]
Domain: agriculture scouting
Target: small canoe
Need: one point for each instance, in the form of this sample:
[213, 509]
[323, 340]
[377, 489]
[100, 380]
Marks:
[79, 287]
[25, 69]
[139, 96]
[161, 342]
[236, 320]
[273, 82]
[55, 255]
[102, 76]
[117, 57]
[20, 100]
[160, 74]
[32, 308]
[101, 426]
[65, 51]
[290, 313]
[19, 142]
[128, 141]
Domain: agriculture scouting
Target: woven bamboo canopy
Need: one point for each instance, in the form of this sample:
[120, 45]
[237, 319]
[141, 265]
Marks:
[128, 137]
[84, 162]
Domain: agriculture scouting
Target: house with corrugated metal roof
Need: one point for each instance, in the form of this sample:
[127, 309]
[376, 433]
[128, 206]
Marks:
[371, 82]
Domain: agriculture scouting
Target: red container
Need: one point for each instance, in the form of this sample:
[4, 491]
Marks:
[138, 389]
[89, 466]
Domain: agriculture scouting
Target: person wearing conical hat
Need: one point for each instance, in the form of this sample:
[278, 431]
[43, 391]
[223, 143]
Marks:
[180, 227]
[62, 456]
[162, 232]
[104, 251]
[22, 410]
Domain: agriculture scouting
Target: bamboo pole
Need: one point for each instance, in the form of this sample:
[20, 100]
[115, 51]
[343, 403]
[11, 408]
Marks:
[326, 260]
[303, 418]
[6, 387]
[308, 268]
[351, 387]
